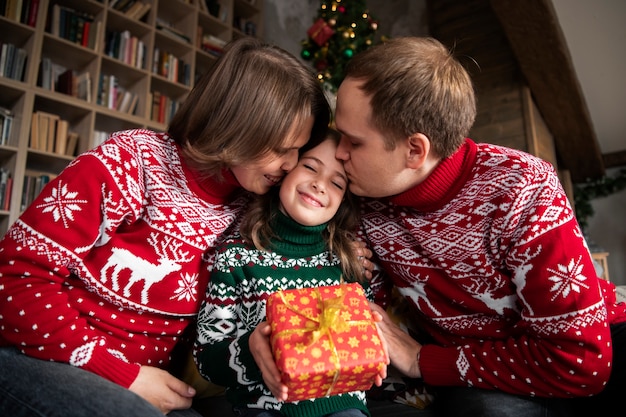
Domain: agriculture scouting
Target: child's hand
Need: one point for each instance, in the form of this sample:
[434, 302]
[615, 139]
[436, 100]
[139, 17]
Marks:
[261, 350]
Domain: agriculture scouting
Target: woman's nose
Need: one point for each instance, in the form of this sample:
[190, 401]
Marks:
[290, 160]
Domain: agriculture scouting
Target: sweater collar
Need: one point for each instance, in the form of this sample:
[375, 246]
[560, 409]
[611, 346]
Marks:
[211, 189]
[443, 183]
[294, 239]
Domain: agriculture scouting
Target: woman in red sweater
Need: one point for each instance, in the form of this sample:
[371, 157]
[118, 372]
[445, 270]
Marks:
[102, 274]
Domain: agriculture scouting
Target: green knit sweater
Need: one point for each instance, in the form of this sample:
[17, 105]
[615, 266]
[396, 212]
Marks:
[234, 305]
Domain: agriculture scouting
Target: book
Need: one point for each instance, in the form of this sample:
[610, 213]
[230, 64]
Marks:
[72, 143]
[83, 86]
[32, 13]
[19, 65]
[65, 82]
[7, 193]
[34, 131]
[61, 137]
[52, 131]
[133, 104]
[43, 121]
[95, 36]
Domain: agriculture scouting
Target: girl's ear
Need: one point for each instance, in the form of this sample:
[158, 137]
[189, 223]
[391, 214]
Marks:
[418, 148]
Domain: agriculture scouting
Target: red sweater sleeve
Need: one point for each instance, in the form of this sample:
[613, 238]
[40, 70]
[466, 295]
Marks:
[37, 264]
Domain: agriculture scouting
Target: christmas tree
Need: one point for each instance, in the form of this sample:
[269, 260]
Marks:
[341, 29]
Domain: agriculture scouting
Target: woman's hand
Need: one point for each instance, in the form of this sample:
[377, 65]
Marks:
[261, 350]
[161, 389]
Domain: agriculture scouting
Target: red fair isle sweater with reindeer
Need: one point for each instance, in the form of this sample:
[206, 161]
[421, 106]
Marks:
[488, 252]
[106, 268]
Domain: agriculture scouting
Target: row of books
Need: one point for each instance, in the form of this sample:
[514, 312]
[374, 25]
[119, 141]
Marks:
[6, 125]
[171, 67]
[75, 26]
[12, 61]
[50, 133]
[163, 107]
[6, 186]
[33, 184]
[209, 43]
[21, 11]
[75, 84]
[115, 97]
[126, 47]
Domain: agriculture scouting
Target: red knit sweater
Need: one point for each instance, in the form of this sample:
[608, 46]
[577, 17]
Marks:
[107, 267]
[489, 252]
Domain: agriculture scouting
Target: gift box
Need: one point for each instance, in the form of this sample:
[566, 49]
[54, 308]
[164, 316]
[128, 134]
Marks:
[320, 32]
[324, 340]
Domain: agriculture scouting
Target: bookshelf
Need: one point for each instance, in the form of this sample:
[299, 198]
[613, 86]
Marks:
[100, 66]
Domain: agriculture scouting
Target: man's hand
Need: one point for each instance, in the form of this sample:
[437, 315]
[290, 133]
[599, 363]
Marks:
[261, 350]
[162, 389]
[403, 350]
[364, 254]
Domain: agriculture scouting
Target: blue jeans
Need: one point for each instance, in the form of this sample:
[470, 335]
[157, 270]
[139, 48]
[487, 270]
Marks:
[31, 387]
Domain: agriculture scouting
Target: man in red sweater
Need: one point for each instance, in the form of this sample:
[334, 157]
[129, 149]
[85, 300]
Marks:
[481, 241]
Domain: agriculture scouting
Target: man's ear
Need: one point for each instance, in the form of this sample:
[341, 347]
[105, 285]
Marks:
[418, 148]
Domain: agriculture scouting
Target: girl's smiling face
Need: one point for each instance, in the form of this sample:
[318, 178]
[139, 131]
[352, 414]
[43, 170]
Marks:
[313, 191]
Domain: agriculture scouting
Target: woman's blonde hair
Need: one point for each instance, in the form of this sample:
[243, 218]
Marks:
[244, 107]
[416, 85]
[256, 226]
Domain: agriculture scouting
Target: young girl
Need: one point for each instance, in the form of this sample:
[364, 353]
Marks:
[101, 275]
[295, 237]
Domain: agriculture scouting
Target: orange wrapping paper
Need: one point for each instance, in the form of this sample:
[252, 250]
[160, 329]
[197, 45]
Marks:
[324, 340]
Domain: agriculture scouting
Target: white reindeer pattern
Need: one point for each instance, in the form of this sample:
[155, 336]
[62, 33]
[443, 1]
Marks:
[141, 269]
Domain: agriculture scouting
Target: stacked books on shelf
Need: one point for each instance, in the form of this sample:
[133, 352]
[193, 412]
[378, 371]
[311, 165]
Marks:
[6, 186]
[75, 26]
[210, 44]
[75, 85]
[113, 96]
[21, 11]
[127, 48]
[50, 133]
[163, 107]
[55, 77]
[171, 67]
[12, 61]
[6, 125]
[34, 182]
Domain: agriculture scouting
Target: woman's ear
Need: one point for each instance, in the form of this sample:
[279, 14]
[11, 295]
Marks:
[418, 148]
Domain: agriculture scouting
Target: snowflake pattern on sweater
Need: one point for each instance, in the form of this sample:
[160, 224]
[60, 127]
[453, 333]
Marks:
[105, 269]
[488, 252]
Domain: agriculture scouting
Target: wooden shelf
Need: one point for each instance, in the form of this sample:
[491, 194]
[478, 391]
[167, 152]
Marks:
[62, 48]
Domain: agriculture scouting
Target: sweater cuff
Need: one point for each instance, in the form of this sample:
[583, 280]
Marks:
[112, 368]
[439, 366]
